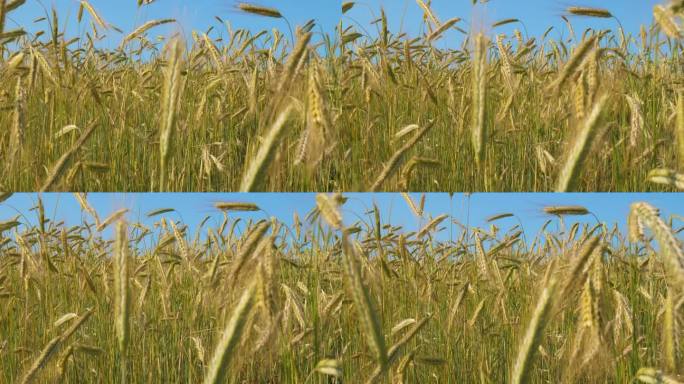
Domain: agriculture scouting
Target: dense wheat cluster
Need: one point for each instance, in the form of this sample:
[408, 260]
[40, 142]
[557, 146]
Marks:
[331, 300]
[353, 109]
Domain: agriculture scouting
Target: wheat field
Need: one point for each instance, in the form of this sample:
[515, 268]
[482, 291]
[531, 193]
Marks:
[339, 294]
[339, 297]
[309, 110]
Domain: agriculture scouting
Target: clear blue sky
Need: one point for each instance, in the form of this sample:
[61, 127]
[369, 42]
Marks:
[192, 208]
[403, 15]
[538, 15]
[191, 14]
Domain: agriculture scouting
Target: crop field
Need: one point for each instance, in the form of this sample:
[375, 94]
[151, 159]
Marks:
[339, 298]
[358, 108]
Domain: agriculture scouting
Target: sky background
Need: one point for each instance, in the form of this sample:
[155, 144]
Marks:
[190, 14]
[403, 15]
[193, 207]
[537, 15]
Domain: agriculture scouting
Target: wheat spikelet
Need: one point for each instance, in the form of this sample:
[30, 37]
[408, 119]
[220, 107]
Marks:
[328, 208]
[415, 162]
[63, 163]
[665, 19]
[317, 135]
[43, 66]
[213, 51]
[561, 210]
[505, 22]
[347, 5]
[361, 296]
[253, 241]
[680, 129]
[591, 12]
[666, 177]
[498, 216]
[180, 241]
[443, 28]
[230, 338]
[398, 157]
[5, 195]
[670, 249]
[98, 19]
[506, 68]
[256, 172]
[575, 61]
[533, 334]
[431, 225]
[19, 121]
[143, 29]
[635, 227]
[173, 89]
[259, 10]
[287, 77]
[580, 96]
[11, 5]
[589, 309]
[570, 172]
[406, 130]
[236, 206]
[479, 98]
[636, 119]
[267, 283]
[83, 202]
[669, 335]
[412, 205]
[655, 376]
[111, 218]
[14, 63]
[46, 354]
[481, 258]
[302, 146]
[592, 70]
[52, 348]
[394, 351]
[579, 269]
[428, 13]
[121, 298]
